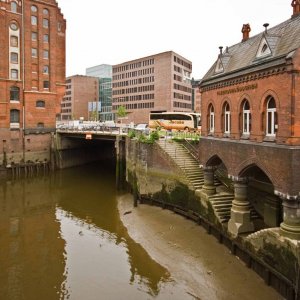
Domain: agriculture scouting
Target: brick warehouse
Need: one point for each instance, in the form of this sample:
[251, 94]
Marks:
[32, 77]
[251, 125]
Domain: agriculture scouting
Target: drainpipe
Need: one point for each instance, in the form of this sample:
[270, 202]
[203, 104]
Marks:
[23, 80]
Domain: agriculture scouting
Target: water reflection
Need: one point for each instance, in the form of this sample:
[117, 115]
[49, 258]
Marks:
[61, 237]
[32, 259]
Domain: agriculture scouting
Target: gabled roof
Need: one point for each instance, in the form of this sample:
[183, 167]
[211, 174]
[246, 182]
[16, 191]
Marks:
[281, 40]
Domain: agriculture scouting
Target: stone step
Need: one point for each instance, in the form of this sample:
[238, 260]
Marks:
[223, 205]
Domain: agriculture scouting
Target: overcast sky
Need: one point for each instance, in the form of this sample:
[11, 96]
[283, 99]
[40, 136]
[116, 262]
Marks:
[116, 31]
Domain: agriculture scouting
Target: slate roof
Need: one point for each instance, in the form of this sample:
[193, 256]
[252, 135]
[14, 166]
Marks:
[238, 59]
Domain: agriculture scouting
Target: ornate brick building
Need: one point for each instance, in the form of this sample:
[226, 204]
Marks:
[251, 125]
[32, 77]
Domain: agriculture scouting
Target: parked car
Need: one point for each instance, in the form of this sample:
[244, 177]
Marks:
[143, 127]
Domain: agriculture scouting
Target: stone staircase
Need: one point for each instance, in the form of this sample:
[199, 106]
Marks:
[222, 201]
[185, 161]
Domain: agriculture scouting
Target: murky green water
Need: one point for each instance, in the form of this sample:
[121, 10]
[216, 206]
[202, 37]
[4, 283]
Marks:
[61, 238]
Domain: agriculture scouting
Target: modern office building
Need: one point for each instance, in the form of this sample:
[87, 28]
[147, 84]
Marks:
[32, 77]
[81, 100]
[104, 73]
[251, 125]
[160, 82]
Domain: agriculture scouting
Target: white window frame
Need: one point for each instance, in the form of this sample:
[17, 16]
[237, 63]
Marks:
[270, 118]
[211, 119]
[246, 119]
[227, 118]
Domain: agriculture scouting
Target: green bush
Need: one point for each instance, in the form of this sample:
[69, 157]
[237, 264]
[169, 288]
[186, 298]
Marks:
[131, 134]
[154, 135]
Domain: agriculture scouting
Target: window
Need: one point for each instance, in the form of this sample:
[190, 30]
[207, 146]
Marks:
[40, 125]
[46, 69]
[14, 74]
[46, 38]
[14, 116]
[226, 118]
[46, 84]
[34, 52]
[14, 58]
[14, 41]
[46, 11]
[211, 119]
[271, 120]
[34, 36]
[46, 54]
[13, 7]
[59, 26]
[33, 8]
[40, 103]
[14, 93]
[33, 20]
[14, 26]
[246, 118]
[45, 23]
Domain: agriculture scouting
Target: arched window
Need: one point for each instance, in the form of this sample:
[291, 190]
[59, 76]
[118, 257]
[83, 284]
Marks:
[33, 8]
[14, 93]
[271, 120]
[13, 7]
[46, 11]
[211, 119]
[14, 116]
[226, 118]
[40, 103]
[246, 118]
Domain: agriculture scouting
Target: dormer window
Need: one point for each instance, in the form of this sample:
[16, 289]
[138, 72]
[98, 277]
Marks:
[263, 49]
[219, 67]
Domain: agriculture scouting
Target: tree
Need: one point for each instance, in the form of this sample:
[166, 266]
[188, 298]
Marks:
[122, 112]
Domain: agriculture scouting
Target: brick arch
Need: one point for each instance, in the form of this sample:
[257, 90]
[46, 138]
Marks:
[241, 100]
[224, 101]
[265, 96]
[216, 158]
[210, 102]
[253, 161]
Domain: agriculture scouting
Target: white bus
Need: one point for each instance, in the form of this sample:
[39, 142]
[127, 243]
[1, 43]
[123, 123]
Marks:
[175, 121]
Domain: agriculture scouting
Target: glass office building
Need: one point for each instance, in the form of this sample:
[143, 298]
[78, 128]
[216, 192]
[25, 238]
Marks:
[104, 73]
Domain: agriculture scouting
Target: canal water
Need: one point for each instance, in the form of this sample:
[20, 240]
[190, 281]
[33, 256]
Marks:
[62, 237]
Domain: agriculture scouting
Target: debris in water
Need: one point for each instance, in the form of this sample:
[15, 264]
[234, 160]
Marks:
[80, 233]
[127, 212]
[197, 298]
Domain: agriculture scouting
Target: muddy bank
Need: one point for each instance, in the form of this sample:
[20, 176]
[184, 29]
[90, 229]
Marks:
[194, 259]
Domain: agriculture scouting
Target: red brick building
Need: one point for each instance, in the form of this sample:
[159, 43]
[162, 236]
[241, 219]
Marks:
[251, 124]
[161, 82]
[32, 77]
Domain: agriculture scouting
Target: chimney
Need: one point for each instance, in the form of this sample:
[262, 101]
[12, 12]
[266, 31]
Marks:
[221, 50]
[296, 8]
[266, 25]
[246, 30]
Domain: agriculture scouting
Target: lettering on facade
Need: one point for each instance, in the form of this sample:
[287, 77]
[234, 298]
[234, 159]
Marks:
[238, 89]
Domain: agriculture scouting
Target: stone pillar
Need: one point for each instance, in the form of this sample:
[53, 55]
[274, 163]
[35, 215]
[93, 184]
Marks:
[240, 221]
[209, 178]
[290, 227]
